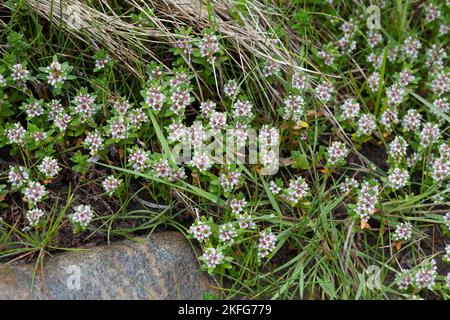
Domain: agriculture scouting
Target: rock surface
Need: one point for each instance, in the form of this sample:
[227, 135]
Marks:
[162, 267]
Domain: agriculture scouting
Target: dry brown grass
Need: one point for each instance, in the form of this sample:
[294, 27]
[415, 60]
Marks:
[250, 40]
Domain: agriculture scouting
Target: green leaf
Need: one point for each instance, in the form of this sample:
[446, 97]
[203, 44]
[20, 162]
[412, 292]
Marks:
[299, 160]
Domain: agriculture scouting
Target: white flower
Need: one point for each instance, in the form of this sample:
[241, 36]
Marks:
[446, 257]
[375, 59]
[398, 178]
[201, 161]
[231, 88]
[18, 176]
[350, 109]
[34, 109]
[237, 205]
[177, 132]
[227, 233]
[137, 117]
[54, 108]
[389, 118]
[62, 121]
[110, 184]
[431, 12]
[185, 45]
[162, 168]
[139, 159]
[208, 47]
[16, 134]
[267, 243]
[180, 100]
[327, 58]
[298, 81]
[122, 106]
[155, 98]
[19, 73]
[212, 257]
[429, 135]
[404, 279]
[101, 63]
[177, 174]
[246, 221]
[348, 184]
[374, 38]
[217, 120]
[49, 167]
[444, 150]
[93, 142]
[200, 231]
[297, 190]
[55, 74]
[441, 83]
[271, 68]
[411, 48]
[324, 91]
[425, 277]
[447, 220]
[34, 192]
[367, 200]
[242, 109]
[395, 94]
[180, 79]
[441, 105]
[34, 216]
[294, 107]
[403, 231]
[84, 106]
[440, 169]
[229, 180]
[274, 188]
[397, 148]
[118, 128]
[207, 108]
[374, 81]
[405, 77]
[412, 120]
[366, 125]
[337, 151]
[83, 215]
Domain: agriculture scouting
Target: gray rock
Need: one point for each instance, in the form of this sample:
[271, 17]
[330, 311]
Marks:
[163, 267]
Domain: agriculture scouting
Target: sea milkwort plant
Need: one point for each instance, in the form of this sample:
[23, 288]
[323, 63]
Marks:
[296, 145]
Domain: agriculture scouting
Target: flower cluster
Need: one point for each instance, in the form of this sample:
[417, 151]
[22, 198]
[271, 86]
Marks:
[82, 215]
[337, 152]
[267, 243]
[209, 46]
[111, 184]
[200, 230]
[367, 201]
[212, 257]
[34, 216]
[403, 231]
[297, 190]
[49, 167]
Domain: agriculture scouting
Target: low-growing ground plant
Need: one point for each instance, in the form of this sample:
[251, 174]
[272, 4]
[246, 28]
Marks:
[297, 145]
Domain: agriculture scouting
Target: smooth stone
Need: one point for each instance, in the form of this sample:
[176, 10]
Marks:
[162, 267]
